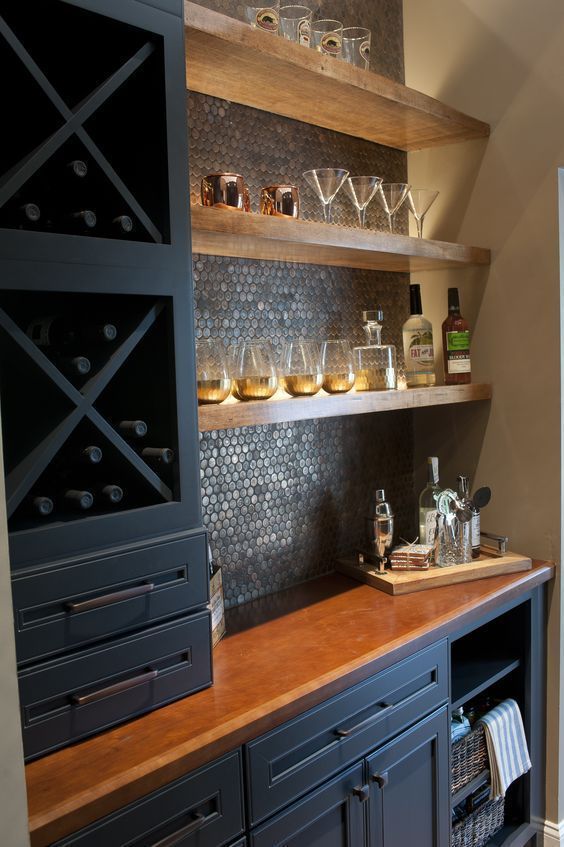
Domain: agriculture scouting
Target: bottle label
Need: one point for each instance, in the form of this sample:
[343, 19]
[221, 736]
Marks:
[420, 355]
[458, 352]
[304, 32]
[267, 18]
[430, 527]
[476, 529]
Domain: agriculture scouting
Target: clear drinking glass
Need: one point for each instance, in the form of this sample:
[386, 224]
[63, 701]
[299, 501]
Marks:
[327, 37]
[337, 365]
[356, 46]
[420, 201]
[453, 543]
[391, 195]
[253, 370]
[375, 368]
[295, 24]
[266, 17]
[361, 190]
[300, 368]
[212, 371]
[326, 182]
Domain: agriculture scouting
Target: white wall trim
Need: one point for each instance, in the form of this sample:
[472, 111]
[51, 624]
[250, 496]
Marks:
[552, 833]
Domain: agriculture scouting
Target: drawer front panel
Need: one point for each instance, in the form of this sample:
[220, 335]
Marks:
[69, 698]
[288, 761]
[204, 809]
[68, 607]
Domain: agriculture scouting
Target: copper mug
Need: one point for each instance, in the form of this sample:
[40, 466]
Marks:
[225, 191]
[283, 201]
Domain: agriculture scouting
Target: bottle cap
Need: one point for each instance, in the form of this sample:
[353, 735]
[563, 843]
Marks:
[453, 300]
[373, 315]
[433, 469]
[415, 299]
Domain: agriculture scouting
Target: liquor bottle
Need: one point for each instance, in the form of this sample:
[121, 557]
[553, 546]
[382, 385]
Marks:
[158, 455]
[30, 214]
[77, 168]
[418, 344]
[78, 500]
[41, 506]
[84, 220]
[59, 331]
[428, 504]
[456, 343]
[91, 455]
[74, 365]
[123, 224]
[464, 494]
[111, 494]
[133, 429]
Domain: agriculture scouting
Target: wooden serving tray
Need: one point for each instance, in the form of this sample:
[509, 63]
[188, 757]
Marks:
[405, 582]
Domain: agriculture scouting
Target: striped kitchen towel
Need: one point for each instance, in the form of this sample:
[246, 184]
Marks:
[507, 746]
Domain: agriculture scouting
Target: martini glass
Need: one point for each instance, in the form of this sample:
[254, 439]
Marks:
[420, 201]
[390, 196]
[326, 182]
[361, 190]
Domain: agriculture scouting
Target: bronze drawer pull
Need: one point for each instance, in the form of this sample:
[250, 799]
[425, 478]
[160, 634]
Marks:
[363, 793]
[108, 599]
[381, 778]
[109, 690]
[179, 836]
[345, 733]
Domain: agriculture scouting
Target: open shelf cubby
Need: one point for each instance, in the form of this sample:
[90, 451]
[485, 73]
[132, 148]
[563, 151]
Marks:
[76, 123]
[130, 377]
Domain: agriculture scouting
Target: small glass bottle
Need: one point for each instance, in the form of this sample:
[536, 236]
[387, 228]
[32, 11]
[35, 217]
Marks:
[428, 504]
[464, 493]
[418, 344]
[456, 343]
[375, 363]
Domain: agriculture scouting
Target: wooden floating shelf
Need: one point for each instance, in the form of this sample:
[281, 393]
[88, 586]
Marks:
[282, 408]
[217, 232]
[226, 58]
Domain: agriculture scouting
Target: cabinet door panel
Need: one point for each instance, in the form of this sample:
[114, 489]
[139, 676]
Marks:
[332, 816]
[409, 787]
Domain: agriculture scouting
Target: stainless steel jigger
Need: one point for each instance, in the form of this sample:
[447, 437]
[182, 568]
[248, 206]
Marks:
[380, 528]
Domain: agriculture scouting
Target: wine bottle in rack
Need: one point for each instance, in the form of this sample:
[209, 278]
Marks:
[77, 169]
[29, 214]
[83, 220]
[158, 455]
[74, 365]
[59, 331]
[40, 506]
[78, 500]
[91, 455]
[133, 429]
[122, 225]
[111, 494]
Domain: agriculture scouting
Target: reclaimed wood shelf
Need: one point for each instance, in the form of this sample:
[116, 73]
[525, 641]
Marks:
[282, 408]
[226, 58]
[217, 232]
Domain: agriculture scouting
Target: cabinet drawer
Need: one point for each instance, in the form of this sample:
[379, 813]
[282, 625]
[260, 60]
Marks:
[68, 607]
[204, 809]
[288, 761]
[67, 698]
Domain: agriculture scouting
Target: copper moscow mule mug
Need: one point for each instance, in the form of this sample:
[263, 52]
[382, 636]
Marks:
[225, 191]
[280, 200]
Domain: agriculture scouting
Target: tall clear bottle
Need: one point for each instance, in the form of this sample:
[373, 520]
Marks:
[428, 504]
[418, 344]
[464, 493]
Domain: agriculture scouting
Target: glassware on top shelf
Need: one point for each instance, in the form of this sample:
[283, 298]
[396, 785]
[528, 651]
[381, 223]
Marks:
[337, 364]
[300, 368]
[356, 46]
[253, 370]
[212, 371]
[420, 201]
[265, 17]
[361, 190]
[326, 182]
[390, 196]
[295, 24]
[327, 37]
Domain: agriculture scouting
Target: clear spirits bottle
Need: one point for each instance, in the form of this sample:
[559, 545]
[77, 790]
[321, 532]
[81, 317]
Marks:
[464, 493]
[418, 344]
[375, 363]
[428, 504]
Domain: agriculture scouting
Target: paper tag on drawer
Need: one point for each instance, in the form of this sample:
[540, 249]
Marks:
[217, 606]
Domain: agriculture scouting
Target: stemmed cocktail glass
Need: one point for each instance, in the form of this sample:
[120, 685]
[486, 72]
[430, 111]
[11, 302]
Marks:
[326, 182]
[391, 195]
[361, 190]
[420, 201]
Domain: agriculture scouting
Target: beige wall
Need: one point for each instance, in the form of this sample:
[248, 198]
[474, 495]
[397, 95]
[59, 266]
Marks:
[13, 803]
[503, 62]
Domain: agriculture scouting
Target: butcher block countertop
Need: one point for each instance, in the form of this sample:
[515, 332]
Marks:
[283, 654]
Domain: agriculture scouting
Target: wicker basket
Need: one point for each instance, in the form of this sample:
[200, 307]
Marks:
[476, 829]
[469, 757]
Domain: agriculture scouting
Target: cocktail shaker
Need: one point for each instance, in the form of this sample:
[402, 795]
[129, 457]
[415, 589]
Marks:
[380, 526]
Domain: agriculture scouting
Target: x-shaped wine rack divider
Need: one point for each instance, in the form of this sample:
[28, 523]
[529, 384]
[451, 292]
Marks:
[74, 120]
[25, 474]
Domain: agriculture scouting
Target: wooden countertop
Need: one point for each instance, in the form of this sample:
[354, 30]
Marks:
[283, 654]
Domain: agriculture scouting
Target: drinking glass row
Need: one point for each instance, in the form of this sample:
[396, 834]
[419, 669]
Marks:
[295, 23]
[250, 371]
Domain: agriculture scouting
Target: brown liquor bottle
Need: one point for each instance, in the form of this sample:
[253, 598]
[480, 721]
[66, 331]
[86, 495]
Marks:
[456, 343]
